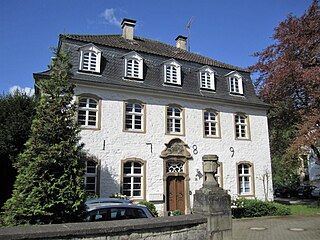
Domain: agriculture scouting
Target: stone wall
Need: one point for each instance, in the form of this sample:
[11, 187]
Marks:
[164, 228]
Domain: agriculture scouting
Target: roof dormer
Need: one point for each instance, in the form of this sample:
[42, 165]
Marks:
[235, 81]
[172, 72]
[90, 58]
[206, 78]
[133, 63]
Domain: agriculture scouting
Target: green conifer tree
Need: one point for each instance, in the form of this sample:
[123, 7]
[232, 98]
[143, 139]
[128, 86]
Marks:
[50, 186]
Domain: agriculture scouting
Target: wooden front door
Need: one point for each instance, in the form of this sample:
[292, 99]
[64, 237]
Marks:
[175, 194]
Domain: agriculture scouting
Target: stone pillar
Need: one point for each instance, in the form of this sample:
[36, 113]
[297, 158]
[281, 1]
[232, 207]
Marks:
[213, 202]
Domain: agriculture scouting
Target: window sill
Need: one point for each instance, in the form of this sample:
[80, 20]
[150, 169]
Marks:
[207, 89]
[172, 84]
[89, 72]
[90, 128]
[133, 79]
[236, 94]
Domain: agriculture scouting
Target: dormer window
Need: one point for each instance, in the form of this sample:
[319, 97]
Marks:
[172, 72]
[90, 58]
[235, 83]
[133, 65]
[206, 76]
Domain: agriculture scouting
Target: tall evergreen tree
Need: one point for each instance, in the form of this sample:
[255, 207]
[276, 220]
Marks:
[50, 186]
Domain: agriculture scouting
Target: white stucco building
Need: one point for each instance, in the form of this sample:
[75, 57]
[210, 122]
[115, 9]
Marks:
[149, 112]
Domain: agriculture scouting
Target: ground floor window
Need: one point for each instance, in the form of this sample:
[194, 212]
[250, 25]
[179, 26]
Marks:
[133, 178]
[245, 178]
[91, 177]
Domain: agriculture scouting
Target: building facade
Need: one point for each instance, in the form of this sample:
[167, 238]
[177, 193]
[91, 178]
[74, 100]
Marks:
[150, 111]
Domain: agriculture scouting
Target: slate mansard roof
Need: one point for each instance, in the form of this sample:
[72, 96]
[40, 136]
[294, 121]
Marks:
[154, 53]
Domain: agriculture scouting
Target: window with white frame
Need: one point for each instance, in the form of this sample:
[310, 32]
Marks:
[133, 65]
[245, 179]
[132, 179]
[241, 126]
[91, 177]
[174, 120]
[235, 83]
[90, 58]
[206, 75]
[218, 175]
[211, 123]
[172, 72]
[88, 112]
[134, 116]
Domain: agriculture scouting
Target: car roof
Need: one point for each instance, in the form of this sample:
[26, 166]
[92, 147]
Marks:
[106, 200]
[117, 205]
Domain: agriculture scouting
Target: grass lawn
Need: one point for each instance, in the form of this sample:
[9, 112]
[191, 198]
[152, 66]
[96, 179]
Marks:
[303, 209]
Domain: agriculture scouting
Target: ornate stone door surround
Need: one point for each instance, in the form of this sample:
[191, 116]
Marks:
[176, 164]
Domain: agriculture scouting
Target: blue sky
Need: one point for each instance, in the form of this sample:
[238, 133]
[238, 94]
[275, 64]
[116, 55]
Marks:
[228, 31]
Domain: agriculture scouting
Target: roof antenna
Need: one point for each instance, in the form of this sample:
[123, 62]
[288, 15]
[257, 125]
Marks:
[188, 29]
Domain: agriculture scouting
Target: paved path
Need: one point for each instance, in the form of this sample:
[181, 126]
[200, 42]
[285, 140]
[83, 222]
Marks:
[277, 228]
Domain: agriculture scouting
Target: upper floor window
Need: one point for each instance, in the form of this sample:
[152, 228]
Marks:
[241, 126]
[175, 121]
[90, 58]
[172, 72]
[206, 75]
[133, 65]
[211, 123]
[133, 178]
[235, 83]
[134, 116]
[245, 179]
[88, 112]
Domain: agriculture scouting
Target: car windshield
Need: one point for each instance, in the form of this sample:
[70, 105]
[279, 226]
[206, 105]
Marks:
[116, 213]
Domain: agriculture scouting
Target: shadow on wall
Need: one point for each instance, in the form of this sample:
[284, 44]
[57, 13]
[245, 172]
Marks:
[108, 184]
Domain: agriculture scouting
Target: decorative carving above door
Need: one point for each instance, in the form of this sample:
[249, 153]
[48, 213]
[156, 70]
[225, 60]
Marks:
[176, 148]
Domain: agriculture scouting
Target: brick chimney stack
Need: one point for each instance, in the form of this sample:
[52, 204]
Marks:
[127, 26]
[181, 42]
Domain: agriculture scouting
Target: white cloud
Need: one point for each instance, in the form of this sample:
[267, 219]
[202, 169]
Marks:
[26, 90]
[109, 17]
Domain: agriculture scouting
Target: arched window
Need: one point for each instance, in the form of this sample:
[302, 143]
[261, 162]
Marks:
[172, 72]
[88, 112]
[235, 83]
[133, 65]
[206, 76]
[245, 179]
[91, 179]
[134, 116]
[241, 126]
[211, 123]
[175, 120]
[90, 58]
[133, 179]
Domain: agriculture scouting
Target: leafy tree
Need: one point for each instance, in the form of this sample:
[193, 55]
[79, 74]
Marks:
[50, 186]
[17, 111]
[290, 81]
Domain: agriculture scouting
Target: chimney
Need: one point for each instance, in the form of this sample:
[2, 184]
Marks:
[181, 42]
[127, 26]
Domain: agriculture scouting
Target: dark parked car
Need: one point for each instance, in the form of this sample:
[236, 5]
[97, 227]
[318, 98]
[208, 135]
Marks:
[285, 192]
[304, 191]
[315, 193]
[109, 212]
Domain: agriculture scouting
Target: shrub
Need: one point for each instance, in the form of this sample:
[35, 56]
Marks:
[258, 208]
[151, 207]
[177, 212]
